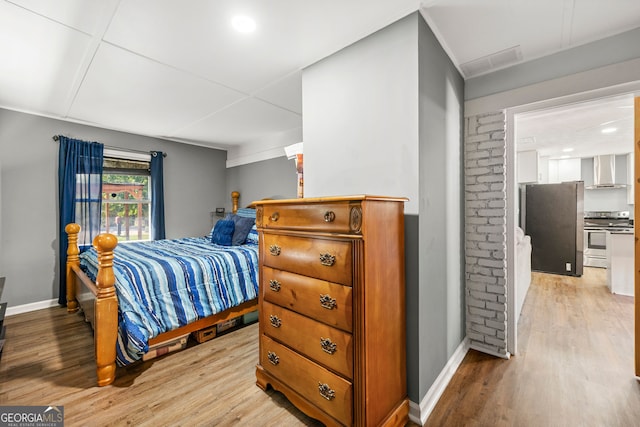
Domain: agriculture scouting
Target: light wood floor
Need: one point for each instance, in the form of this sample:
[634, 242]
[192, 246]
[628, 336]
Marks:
[574, 365]
[45, 362]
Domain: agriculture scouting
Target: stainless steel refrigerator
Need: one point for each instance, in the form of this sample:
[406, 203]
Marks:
[553, 215]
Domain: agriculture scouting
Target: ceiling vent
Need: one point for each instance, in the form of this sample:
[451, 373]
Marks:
[492, 62]
[527, 140]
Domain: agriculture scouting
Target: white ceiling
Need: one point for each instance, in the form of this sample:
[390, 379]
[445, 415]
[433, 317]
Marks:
[575, 130]
[473, 30]
[177, 70]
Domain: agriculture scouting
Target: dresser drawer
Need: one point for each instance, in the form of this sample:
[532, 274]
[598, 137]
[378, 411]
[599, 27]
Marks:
[328, 217]
[329, 392]
[328, 346]
[324, 301]
[325, 259]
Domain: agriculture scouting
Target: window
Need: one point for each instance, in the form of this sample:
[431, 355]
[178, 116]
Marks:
[126, 199]
[87, 203]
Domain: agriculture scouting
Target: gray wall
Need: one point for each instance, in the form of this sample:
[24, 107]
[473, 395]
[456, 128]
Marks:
[194, 180]
[274, 179]
[384, 116]
[441, 259]
[612, 50]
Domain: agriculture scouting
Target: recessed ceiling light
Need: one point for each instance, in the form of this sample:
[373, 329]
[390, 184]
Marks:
[243, 24]
[564, 157]
[609, 130]
[567, 150]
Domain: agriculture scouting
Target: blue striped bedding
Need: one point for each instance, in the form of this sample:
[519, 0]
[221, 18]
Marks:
[164, 284]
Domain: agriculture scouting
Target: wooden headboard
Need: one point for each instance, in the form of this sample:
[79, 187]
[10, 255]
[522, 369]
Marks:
[235, 196]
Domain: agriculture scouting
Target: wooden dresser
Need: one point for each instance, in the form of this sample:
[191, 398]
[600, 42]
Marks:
[332, 307]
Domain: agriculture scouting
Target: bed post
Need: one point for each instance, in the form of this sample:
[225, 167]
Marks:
[72, 260]
[106, 310]
[234, 197]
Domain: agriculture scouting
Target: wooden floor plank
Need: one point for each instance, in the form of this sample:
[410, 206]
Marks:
[45, 362]
[574, 364]
[574, 367]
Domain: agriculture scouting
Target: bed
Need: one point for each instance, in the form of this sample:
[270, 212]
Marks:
[139, 295]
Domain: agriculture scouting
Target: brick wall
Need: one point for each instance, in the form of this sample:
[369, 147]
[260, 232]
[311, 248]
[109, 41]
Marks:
[485, 232]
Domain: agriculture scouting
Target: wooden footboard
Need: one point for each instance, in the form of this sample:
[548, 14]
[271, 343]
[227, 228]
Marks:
[101, 309]
[105, 306]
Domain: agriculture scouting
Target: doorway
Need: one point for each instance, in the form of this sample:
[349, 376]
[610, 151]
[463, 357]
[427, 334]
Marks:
[552, 108]
[636, 178]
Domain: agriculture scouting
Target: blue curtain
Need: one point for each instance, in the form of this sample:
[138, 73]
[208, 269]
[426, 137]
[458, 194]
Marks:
[79, 196]
[157, 196]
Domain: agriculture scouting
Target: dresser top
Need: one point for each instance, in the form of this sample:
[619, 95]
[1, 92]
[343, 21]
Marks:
[329, 199]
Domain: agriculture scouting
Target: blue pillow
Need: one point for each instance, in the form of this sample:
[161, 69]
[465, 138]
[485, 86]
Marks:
[243, 226]
[252, 237]
[247, 212]
[244, 212]
[223, 232]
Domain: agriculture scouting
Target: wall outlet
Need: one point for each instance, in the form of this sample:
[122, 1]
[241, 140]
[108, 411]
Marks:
[567, 266]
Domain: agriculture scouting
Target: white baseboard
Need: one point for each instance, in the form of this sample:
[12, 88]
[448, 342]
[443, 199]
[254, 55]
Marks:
[25, 308]
[419, 413]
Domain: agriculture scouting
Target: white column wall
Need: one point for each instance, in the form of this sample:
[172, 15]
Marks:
[360, 112]
[384, 116]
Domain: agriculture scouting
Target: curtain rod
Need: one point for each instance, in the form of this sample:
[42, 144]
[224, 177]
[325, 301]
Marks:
[57, 138]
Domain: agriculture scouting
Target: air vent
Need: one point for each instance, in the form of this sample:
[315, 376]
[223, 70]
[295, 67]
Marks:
[476, 67]
[492, 62]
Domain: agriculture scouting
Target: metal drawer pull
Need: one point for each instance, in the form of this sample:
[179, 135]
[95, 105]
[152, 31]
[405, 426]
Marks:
[274, 285]
[327, 259]
[274, 250]
[329, 216]
[326, 392]
[328, 346]
[327, 302]
[273, 358]
[275, 321]
[274, 216]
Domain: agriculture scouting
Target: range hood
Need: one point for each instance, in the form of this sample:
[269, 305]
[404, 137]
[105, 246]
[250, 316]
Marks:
[604, 172]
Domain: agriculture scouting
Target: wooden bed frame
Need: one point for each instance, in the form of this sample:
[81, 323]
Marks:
[100, 304]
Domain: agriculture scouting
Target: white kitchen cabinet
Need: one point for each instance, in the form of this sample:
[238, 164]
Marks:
[543, 169]
[527, 162]
[620, 263]
[564, 170]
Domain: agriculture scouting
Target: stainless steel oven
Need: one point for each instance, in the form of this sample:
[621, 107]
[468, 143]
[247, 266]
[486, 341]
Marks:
[596, 226]
[595, 248]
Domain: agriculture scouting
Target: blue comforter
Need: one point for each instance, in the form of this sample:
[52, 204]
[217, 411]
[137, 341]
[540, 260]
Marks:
[164, 284]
